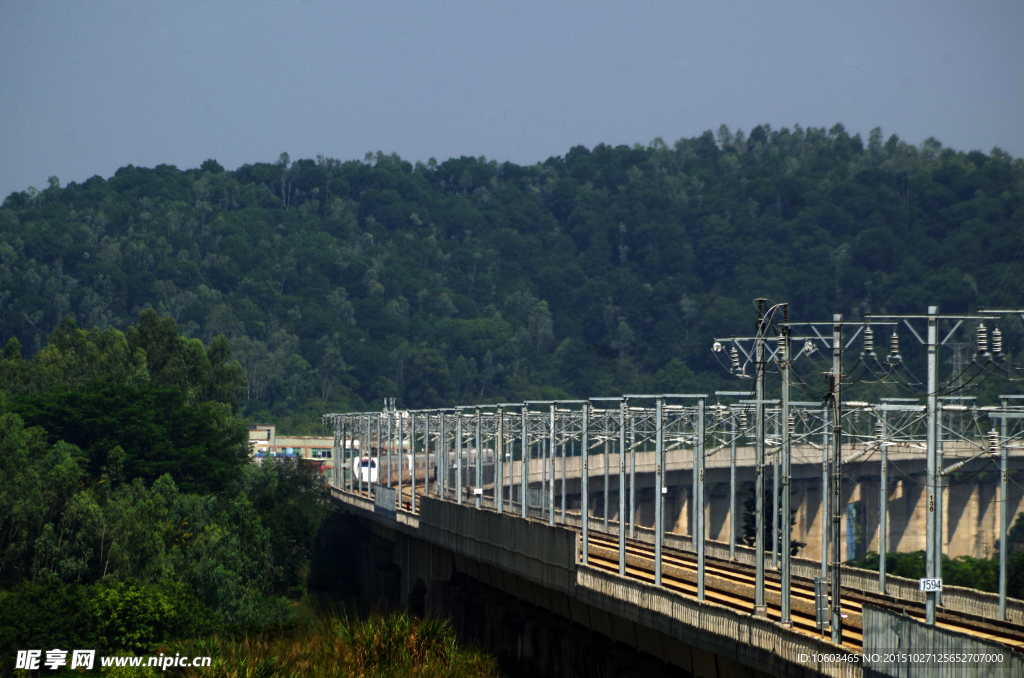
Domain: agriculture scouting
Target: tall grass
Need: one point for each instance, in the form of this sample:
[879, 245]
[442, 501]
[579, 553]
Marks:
[342, 645]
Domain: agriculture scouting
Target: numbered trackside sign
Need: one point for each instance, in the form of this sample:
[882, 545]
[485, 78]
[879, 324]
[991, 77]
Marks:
[930, 584]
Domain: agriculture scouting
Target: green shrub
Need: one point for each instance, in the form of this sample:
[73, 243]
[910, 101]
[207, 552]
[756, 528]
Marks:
[42, 616]
[381, 646]
[129, 616]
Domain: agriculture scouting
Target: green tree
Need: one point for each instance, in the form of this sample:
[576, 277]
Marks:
[201, 446]
[292, 502]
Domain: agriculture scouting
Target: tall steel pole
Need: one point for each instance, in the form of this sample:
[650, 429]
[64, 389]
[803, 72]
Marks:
[551, 464]
[837, 455]
[776, 520]
[412, 456]
[939, 480]
[698, 499]
[786, 459]
[585, 482]
[622, 487]
[883, 500]
[633, 476]
[760, 609]
[441, 453]
[511, 469]
[346, 452]
[1003, 546]
[478, 489]
[362, 451]
[563, 445]
[607, 456]
[389, 442]
[375, 442]
[542, 457]
[458, 455]
[524, 465]
[499, 453]
[337, 453]
[826, 496]
[732, 486]
[659, 487]
[933, 456]
[401, 450]
[426, 457]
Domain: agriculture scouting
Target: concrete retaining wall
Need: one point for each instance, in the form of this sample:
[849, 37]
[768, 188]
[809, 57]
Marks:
[753, 642]
[529, 549]
[901, 647]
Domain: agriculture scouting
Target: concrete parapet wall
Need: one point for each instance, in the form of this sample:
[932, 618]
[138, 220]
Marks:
[901, 647]
[529, 549]
[405, 522]
[757, 643]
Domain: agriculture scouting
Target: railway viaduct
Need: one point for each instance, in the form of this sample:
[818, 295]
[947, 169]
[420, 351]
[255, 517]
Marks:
[519, 587]
[510, 525]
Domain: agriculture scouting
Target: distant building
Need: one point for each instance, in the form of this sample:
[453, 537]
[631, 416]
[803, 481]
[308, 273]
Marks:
[265, 443]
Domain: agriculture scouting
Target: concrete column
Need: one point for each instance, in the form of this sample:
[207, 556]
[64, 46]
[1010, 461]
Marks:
[908, 514]
[682, 523]
[961, 519]
[813, 515]
[988, 518]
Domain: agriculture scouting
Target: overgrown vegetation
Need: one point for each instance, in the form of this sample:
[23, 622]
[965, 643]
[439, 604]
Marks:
[381, 646]
[967, 571]
[130, 518]
[607, 270]
[129, 513]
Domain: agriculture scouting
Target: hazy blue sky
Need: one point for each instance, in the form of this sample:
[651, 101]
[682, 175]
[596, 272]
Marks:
[87, 87]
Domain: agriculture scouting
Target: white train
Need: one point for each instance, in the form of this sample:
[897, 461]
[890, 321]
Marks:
[368, 470]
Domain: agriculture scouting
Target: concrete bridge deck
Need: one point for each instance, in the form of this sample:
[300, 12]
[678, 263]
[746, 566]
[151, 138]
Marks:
[541, 565]
[970, 503]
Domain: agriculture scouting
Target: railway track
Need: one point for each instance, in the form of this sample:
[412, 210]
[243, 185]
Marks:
[732, 585]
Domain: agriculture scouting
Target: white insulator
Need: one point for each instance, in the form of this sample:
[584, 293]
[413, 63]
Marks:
[954, 468]
[993, 441]
[879, 430]
[894, 349]
[955, 408]
[997, 341]
[792, 425]
[982, 339]
[734, 356]
[743, 420]
[869, 340]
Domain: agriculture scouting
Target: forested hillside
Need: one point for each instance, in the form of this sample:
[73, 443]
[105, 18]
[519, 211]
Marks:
[603, 271]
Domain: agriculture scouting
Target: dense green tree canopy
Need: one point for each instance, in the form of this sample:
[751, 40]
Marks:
[142, 432]
[341, 283]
